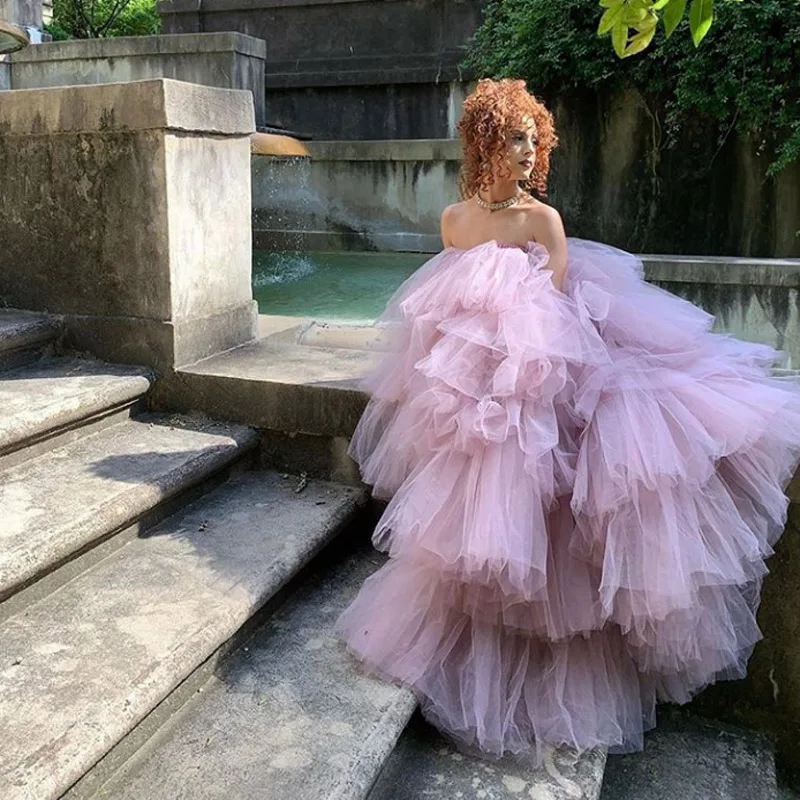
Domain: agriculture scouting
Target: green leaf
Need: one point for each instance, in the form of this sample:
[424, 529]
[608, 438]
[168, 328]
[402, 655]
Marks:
[673, 14]
[701, 15]
[610, 19]
[610, 3]
[619, 38]
[659, 5]
[648, 23]
[640, 42]
[633, 16]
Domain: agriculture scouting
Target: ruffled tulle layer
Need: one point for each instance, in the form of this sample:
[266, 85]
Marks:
[583, 489]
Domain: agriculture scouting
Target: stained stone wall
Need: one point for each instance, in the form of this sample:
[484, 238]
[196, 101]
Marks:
[25, 13]
[126, 209]
[388, 194]
[615, 181]
[350, 69]
[377, 195]
[225, 60]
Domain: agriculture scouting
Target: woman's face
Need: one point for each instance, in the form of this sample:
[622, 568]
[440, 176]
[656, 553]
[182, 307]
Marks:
[520, 153]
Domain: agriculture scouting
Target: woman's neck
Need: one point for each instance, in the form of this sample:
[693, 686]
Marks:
[499, 191]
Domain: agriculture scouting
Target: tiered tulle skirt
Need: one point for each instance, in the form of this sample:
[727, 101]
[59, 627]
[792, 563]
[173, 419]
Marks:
[583, 489]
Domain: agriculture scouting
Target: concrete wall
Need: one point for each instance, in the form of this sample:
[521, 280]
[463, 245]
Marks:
[388, 194]
[614, 180]
[756, 300]
[378, 195]
[126, 209]
[26, 13]
[423, 110]
[226, 60]
[350, 69]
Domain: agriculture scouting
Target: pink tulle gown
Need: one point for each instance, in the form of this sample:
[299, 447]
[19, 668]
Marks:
[584, 487]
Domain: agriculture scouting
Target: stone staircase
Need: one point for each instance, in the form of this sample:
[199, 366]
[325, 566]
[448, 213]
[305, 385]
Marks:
[135, 546]
[166, 607]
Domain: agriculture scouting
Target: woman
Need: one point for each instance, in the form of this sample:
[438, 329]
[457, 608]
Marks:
[584, 480]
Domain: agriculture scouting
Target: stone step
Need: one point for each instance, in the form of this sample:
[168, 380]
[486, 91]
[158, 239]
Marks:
[282, 387]
[281, 330]
[85, 665]
[69, 499]
[23, 336]
[687, 758]
[51, 402]
[288, 716]
[350, 337]
[425, 765]
[305, 401]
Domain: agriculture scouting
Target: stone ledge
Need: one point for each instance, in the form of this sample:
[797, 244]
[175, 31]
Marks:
[425, 764]
[289, 388]
[79, 494]
[19, 329]
[386, 150]
[339, 73]
[128, 46]
[694, 759]
[25, 336]
[160, 104]
[371, 241]
[41, 400]
[723, 270]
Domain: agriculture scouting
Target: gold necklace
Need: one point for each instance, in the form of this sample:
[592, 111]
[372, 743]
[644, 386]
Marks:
[501, 204]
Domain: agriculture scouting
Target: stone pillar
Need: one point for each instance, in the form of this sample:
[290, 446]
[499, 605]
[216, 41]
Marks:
[25, 13]
[126, 209]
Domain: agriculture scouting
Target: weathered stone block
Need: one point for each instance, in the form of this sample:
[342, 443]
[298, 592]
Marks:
[225, 60]
[127, 208]
[26, 13]
[359, 69]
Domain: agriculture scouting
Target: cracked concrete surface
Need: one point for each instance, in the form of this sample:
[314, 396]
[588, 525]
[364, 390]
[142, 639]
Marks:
[80, 668]
[58, 503]
[288, 715]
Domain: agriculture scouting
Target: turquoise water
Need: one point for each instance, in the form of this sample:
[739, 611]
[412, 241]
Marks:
[351, 287]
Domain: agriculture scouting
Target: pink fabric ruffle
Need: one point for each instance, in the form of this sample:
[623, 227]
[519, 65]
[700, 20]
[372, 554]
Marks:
[583, 489]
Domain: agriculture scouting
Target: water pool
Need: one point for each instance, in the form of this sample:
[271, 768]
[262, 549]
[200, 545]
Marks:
[348, 286]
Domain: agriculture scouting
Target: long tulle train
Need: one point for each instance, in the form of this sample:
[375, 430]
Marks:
[583, 489]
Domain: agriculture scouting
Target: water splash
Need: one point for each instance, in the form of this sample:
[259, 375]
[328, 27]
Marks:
[282, 268]
[284, 184]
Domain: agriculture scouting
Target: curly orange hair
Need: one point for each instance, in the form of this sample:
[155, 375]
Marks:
[490, 112]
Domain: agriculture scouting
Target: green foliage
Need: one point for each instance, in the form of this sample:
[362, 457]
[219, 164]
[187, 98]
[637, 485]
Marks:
[633, 23]
[93, 19]
[743, 78]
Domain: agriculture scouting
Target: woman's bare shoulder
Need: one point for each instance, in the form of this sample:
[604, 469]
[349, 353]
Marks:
[537, 210]
[455, 210]
[452, 219]
[542, 219]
